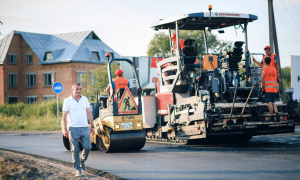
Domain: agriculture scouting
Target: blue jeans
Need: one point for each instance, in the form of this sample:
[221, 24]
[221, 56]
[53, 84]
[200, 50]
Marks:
[82, 134]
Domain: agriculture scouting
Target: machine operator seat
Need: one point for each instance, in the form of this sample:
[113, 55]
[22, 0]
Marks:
[103, 101]
[120, 93]
[190, 52]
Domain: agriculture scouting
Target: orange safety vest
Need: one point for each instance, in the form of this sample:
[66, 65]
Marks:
[120, 82]
[181, 44]
[272, 63]
[270, 79]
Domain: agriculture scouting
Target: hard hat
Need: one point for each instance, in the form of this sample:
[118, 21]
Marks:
[173, 37]
[119, 72]
[267, 47]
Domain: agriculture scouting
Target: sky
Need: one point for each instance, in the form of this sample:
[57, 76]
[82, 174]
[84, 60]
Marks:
[124, 25]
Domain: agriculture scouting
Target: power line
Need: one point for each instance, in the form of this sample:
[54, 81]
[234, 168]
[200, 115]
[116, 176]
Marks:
[290, 15]
[294, 6]
[63, 24]
[285, 23]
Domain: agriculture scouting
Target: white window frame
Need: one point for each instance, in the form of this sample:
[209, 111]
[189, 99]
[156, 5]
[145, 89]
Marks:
[79, 76]
[48, 57]
[14, 60]
[46, 81]
[34, 81]
[16, 79]
[48, 97]
[27, 59]
[28, 98]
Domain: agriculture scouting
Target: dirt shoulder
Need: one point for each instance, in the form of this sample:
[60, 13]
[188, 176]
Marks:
[19, 165]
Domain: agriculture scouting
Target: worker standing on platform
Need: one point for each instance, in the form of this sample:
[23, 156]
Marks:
[269, 85]
[274, 59]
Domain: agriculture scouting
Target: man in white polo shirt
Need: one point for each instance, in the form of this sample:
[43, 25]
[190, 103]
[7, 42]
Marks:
[76, 110]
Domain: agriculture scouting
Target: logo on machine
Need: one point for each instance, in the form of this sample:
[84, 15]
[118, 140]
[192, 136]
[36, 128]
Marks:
[216, 14]
[127, 104]
[229, 14]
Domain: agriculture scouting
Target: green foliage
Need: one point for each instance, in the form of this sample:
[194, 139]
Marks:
[286, 79]
[160, 42]
[20, 116]
[95, 79]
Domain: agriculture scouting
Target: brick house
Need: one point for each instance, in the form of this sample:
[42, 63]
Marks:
[30, 63]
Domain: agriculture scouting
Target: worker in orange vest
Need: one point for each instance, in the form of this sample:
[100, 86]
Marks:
[118, 83]
[274, 59]
[181, 43]
[269, 85]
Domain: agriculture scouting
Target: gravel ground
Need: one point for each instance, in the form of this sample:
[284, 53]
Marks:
[19, 165]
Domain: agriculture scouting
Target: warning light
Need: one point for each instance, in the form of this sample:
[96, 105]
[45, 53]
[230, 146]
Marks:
[107, 55]
[223, 24]
[285, 118]
[209, 7]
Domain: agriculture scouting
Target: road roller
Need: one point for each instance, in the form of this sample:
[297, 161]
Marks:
[119, 126]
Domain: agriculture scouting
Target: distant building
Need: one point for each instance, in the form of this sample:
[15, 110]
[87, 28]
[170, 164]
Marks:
[30, 63]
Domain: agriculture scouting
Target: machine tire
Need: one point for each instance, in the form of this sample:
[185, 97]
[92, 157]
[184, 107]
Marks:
[67, 145]
[121, 141]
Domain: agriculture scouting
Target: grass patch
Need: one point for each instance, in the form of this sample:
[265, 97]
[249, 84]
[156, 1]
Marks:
[39, 116]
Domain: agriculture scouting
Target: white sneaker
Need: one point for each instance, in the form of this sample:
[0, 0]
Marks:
[78, 173]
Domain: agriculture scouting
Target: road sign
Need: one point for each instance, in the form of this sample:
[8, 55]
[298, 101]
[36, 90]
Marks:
[57, 87]
[127, 104]
[295, 76]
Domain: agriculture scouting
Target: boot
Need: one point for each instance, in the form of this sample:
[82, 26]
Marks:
[277, 117]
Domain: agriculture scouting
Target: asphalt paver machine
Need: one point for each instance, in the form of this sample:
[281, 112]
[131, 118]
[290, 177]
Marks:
[210, 97]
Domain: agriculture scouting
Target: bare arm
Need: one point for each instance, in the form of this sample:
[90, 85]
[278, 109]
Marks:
[277, 69]
[108, 89]
[258, 63]
[64, 124]
[90, 117]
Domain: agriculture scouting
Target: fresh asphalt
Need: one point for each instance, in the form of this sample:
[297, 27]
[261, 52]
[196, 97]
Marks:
[264, 157]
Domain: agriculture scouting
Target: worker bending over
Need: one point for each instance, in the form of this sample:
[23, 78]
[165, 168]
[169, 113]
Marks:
[118, 83]
[181, 43]
[269, 78]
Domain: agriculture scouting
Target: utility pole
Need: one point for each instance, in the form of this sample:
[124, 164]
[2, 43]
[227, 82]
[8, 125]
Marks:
[273, 40]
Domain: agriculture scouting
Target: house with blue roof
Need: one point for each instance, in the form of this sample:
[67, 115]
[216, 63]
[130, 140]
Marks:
[31, 62]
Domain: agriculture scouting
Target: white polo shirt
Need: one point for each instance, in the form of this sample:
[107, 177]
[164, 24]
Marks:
[77, 116]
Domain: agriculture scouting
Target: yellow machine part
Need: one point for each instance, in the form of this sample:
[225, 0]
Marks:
[124, 123]
[209, 62]
[119, 133]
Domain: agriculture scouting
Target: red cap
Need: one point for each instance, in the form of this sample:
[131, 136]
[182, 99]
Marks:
[173, 37]
[119, 72]
[267, 47]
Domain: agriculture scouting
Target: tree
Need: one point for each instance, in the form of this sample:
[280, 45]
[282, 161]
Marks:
[286, 79]
[160, 42]
[96, 78]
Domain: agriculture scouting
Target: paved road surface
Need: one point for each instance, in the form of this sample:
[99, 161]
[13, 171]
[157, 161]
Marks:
[264, 157]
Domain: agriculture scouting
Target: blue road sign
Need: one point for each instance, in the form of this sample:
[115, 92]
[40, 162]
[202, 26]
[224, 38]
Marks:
[57, 87]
